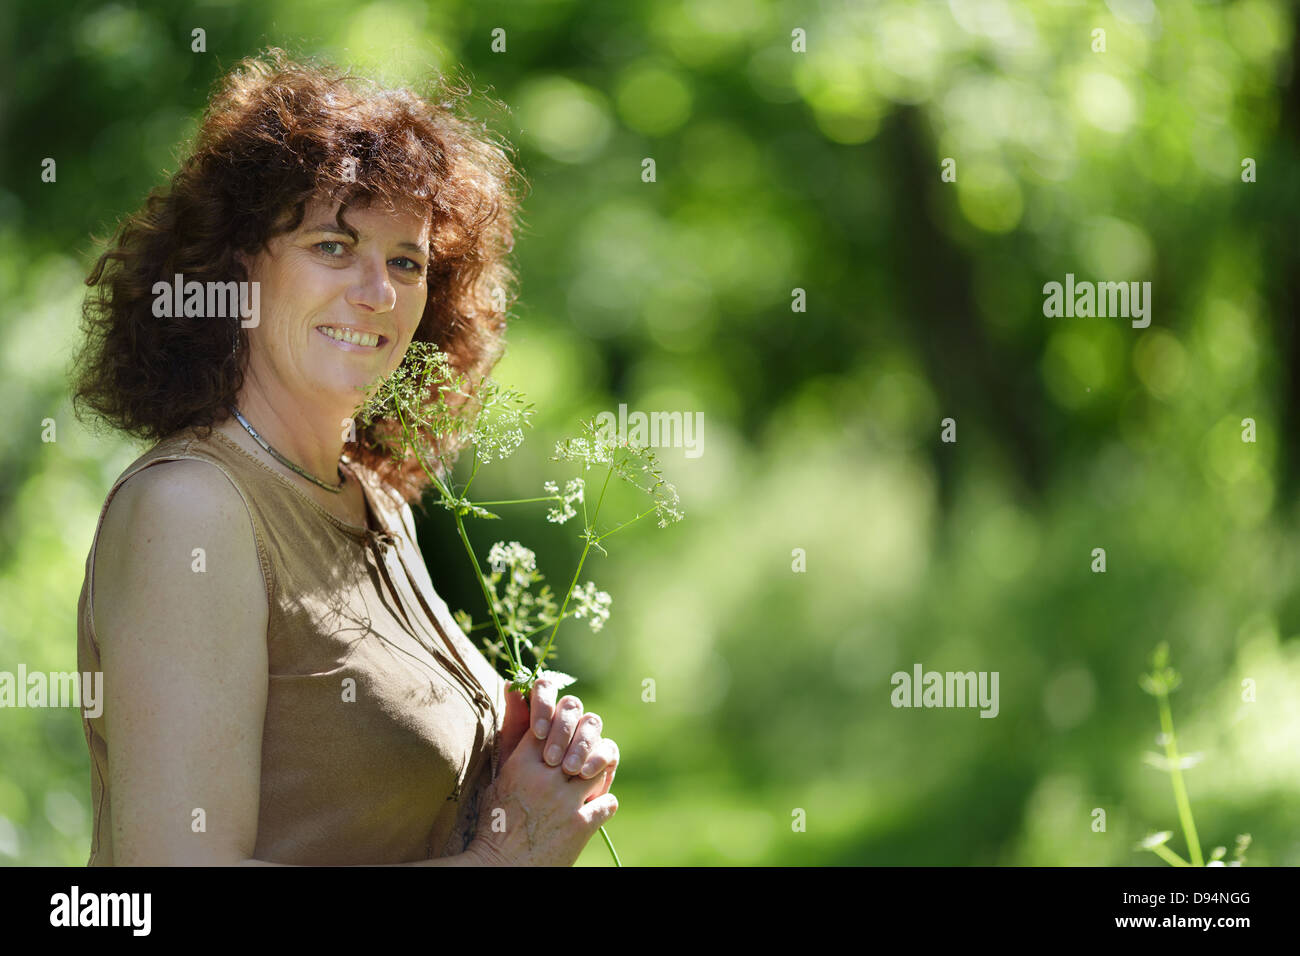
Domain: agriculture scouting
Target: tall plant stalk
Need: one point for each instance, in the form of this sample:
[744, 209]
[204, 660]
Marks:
[1162, 681]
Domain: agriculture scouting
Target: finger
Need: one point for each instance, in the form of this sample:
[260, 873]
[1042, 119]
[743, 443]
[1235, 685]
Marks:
[543, 709]
[584, 741]
[598, 811]
[567, 714]
[600, 786]
[514, 724]
[604, 755]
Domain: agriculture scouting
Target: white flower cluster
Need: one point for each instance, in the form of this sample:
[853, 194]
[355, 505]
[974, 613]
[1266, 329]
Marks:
[514, 556]
[573, 491]
[520, 613]
[594, 603]
[666, 503]
[591, 450]
[496, 441]
[635, 464]
[499, 426]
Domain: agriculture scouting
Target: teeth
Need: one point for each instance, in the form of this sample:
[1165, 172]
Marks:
[367, 339]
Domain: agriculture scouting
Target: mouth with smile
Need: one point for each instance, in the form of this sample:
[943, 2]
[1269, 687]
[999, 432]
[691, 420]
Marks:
[352, 339]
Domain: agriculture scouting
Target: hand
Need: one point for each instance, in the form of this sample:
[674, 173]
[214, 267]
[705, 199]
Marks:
[532, 814]
[572, 739]
[536, 815]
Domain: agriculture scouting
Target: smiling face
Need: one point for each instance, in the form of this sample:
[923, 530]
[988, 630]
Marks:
[338, 310]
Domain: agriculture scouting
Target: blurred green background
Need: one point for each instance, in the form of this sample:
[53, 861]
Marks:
[780, 170]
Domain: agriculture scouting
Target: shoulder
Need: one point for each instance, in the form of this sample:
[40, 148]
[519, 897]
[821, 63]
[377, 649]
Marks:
[175, 527]
[176, 495]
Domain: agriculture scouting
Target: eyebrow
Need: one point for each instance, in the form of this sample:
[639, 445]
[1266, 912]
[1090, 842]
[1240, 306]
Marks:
[351, 234]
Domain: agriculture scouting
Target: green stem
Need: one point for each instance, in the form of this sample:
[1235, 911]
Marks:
[624, 524]
[473, 471]
[460, 527]
[478, 574]
[577, 571]
[516, 501]
[1169, 856]
[527, 634]
[442, 489]
[610, 843]
[1176, 774]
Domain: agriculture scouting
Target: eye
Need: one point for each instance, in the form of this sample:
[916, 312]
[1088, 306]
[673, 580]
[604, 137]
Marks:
[413, 267]
[329, 242]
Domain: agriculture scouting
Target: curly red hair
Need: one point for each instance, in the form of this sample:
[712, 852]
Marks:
[276, 133]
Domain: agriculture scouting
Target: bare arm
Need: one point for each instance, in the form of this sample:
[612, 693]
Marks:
[184, 658]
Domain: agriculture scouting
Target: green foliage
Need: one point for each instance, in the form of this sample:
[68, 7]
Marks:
[777, 171]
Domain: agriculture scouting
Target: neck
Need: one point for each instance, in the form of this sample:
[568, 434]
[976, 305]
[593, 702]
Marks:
[310, 436]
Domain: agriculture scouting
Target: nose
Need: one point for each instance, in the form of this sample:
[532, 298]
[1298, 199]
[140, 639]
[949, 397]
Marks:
[373, 289]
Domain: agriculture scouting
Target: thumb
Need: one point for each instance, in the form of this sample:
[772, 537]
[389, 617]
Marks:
[596, 813]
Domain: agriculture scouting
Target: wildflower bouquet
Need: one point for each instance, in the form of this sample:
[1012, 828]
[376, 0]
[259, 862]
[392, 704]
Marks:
[435, 409]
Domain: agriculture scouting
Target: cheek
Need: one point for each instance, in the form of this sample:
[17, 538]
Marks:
[307, 281]
[420, 303]
[411, 321]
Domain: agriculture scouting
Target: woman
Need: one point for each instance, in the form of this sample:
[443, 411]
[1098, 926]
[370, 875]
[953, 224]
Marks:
[283, 685]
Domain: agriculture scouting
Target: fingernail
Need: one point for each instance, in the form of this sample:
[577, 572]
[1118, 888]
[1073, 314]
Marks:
[542, 727]
[571, 765]
[587, 769]
[553, 756]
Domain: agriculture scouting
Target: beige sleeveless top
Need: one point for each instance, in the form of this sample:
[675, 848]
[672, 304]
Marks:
[390, 772]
